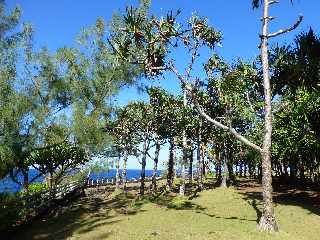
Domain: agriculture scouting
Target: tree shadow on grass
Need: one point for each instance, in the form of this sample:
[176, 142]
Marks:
[78, 217]
[284, 195]
[229, 218]
[171, 200]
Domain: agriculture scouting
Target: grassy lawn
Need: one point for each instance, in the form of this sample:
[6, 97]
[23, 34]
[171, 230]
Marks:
[212, 214]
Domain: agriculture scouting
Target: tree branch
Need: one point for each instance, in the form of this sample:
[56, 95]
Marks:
[282, 31]
[249, 102]
[226, 128]
[231, 130]
[273, 2]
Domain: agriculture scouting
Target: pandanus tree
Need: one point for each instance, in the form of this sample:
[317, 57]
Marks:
[296, 132]
[147, 40]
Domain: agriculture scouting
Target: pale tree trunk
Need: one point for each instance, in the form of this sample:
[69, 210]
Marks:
[225, 168]
[267, 221]
[155, 167]
[118, 171]
[143, 166]
[190, 155]
[203, 166]
[200, 159]
[171, 164]
[184, 169]
[50, 183]
[124, 171]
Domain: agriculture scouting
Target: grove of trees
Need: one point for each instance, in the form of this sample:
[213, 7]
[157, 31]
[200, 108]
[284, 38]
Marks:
[257, 119]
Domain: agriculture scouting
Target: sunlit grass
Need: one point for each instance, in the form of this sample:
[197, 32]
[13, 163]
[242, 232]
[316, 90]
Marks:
[214, 214]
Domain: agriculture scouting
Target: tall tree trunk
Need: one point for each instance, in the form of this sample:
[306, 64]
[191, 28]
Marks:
[184, 169]
[118, 171]
[219, 173]
[267, 221]
[203, 163]
[245, 170]
[155, 167]
[199, 160]
[232, 177]
[124, 171]
[240, 169]
[143, 166]
[50, 183]
[190, 155]
[225, 168]
[171, 164]
[25, 180]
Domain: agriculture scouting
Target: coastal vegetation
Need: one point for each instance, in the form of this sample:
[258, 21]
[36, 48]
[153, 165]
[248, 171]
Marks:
[241, 138]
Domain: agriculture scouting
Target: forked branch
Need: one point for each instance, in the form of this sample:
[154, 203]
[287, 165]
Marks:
[282, 31]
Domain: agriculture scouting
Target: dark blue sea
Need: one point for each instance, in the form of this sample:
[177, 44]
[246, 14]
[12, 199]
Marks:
[7, 185]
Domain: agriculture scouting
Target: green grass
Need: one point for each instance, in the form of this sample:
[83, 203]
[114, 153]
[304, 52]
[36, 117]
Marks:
[213, 214]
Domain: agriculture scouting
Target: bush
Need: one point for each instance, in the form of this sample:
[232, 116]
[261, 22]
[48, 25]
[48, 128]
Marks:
[13, 206]
[37, 187]
[11, 210]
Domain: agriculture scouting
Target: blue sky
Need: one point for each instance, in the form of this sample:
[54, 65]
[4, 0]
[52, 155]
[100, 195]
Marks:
[58, 22]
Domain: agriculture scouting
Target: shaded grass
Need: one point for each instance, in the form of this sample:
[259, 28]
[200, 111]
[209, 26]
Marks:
[212, 214]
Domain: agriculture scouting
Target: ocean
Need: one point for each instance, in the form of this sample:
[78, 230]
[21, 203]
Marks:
[7, 185]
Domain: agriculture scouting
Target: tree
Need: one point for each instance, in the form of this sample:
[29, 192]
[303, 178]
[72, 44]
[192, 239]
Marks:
[296, 135]
[168, 113]
[267, 221]
[124, 138]
[57, 160]
[12, 102]
[146, 41]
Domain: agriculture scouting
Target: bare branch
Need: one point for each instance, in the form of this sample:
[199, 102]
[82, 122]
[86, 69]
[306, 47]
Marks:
[282, 31]
[226, 128]
[180, 77]
[249, 102]
[269, 18]
[273, 2]
[193, 59]
[218, 124]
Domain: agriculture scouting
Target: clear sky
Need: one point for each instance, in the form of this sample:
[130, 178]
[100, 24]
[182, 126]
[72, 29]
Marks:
[58, 22]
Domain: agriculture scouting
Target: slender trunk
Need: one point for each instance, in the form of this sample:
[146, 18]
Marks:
[245, 170]
[219, 167]
[184, 169]
[143, 166]
[155, 167]
[240, 169]
[118, 171]
[50, 183]
[25, 180]
[190, 155]
[225, 169]
[171, 164]
[267, 221]
[124, 171]
[199, 160]
[285, 170]
[232, 177]
[203, 165]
